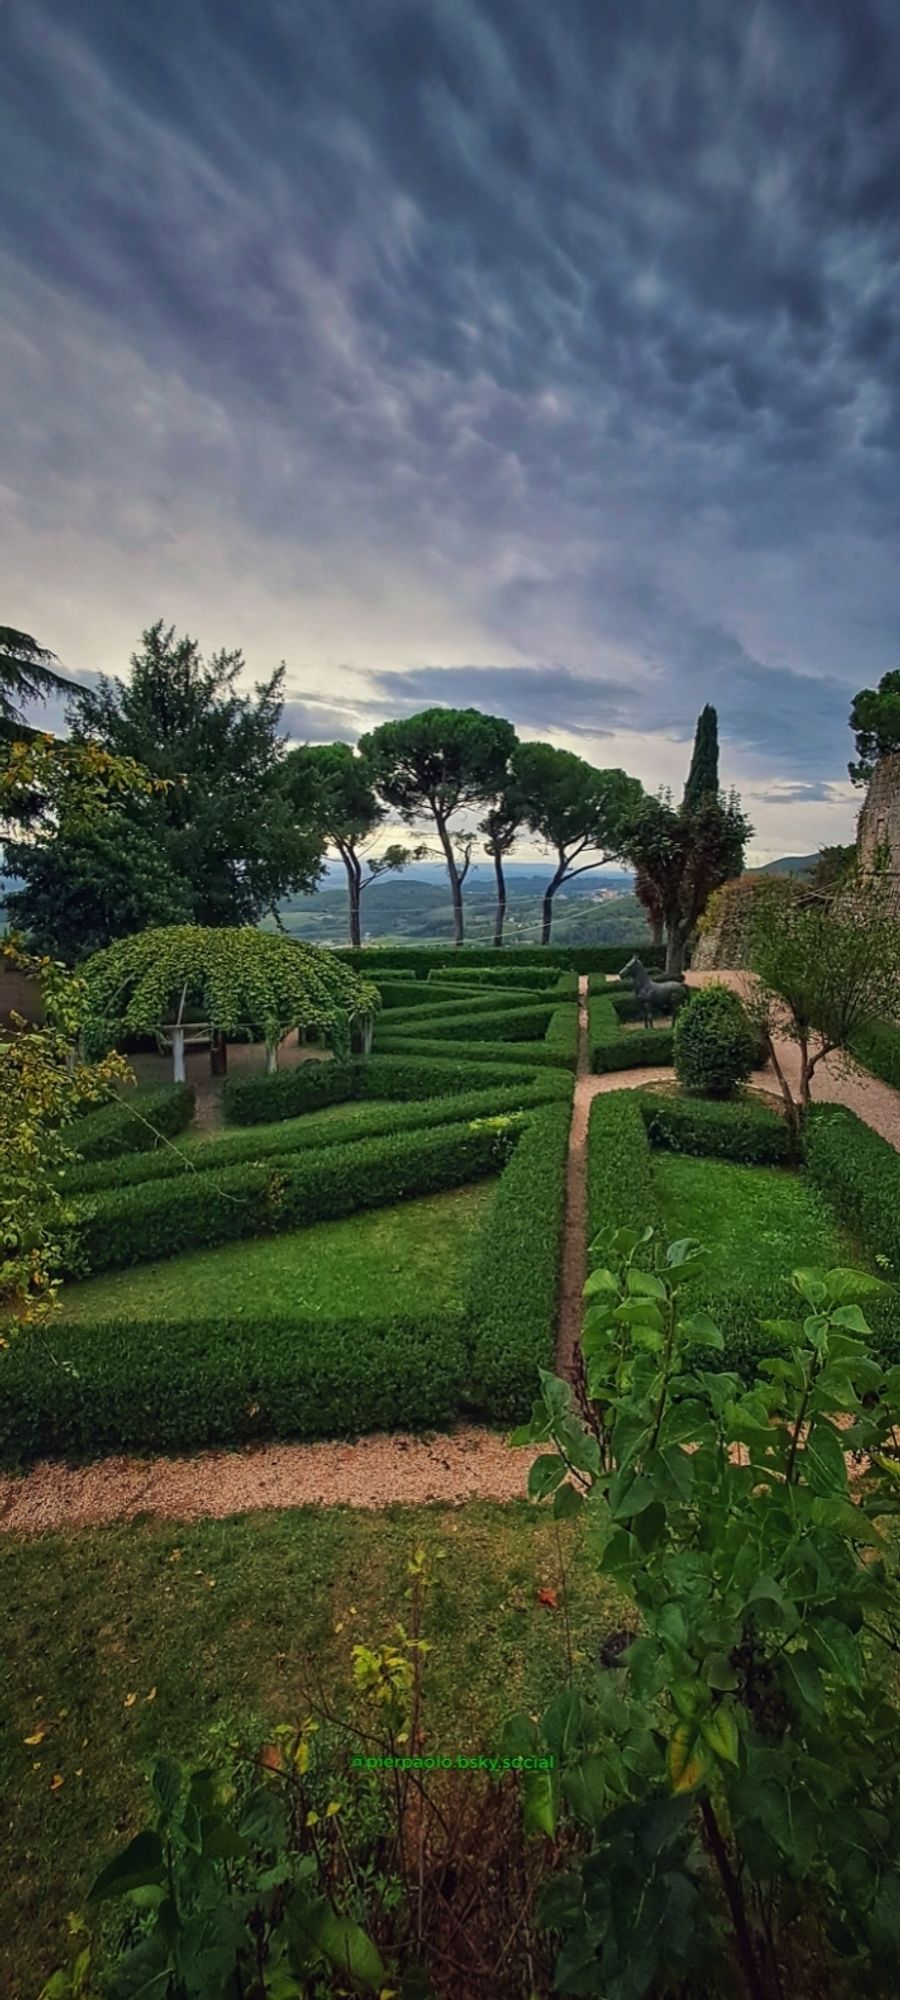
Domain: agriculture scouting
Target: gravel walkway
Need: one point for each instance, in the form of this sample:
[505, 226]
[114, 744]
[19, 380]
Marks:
[468, 1463]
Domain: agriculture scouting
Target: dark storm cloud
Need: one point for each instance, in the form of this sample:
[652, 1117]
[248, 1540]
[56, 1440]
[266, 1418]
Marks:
[583, 319]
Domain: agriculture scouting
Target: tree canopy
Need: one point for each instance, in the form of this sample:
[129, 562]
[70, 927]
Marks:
[92, 883]
[703, 776]
[681, 855]
[875, 721]
[575, 808]
[332, 786]
[230, 978]
[438, 762]
[223, 825]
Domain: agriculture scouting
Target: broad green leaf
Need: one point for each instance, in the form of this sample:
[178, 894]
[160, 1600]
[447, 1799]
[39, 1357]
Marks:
[853, 1318]
[165, 1784]
[598, 1282]
[567, 1501]
[719, 1730]
[836, 1648]
[645, 1284]
[844, 1286]
[347, 1946]
[700, 1330]
[139, 1866]
[846, 1519]
[810, 1283]
[539, 1813]
[684, 1758]
[544, 1475]
[824, 1465]
[804, 1681]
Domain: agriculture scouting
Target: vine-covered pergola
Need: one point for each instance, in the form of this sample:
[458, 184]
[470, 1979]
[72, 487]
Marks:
[224, 982]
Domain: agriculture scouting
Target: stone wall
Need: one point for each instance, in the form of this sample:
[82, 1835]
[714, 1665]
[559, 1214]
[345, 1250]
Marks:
[878, 829]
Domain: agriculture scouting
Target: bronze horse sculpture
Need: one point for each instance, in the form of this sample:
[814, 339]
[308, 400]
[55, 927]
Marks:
[661, 996]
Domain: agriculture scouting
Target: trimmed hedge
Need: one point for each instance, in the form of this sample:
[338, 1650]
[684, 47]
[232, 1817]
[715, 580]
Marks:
[467, 1003]
[742, 1130]
[392, 1078]
[620, 1186]
[534, 978]
[134, 1225]
[133, 1123]
[611, 1049]
[513, 1301]
[361, 1121]
[859, 1174]
[877, 1047]
[419, 960]
[526, 1055]
[162, 1386]
[562, 1034]
[483, 1021]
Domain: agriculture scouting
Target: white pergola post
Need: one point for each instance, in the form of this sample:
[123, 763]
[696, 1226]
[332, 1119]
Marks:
[178, 1054]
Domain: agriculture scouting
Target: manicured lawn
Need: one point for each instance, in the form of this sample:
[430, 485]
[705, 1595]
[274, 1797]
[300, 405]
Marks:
[757, 1222]
[221, 1619]
[383, 1260]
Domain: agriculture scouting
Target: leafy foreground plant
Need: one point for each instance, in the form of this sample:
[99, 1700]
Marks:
[736, 1766]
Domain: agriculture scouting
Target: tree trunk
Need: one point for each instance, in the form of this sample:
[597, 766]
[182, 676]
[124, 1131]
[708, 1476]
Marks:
[500, 911]
[547, 902]
[354, 884]
[271, 1058]
[657, 932]
[178, 1054]
[453, 872]
[218, 1053]
[676, 944]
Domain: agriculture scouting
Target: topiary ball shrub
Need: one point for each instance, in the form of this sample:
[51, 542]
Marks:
[715, 1046]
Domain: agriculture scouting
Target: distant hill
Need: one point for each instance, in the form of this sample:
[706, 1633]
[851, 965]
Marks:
[414, 908]
[790, 864]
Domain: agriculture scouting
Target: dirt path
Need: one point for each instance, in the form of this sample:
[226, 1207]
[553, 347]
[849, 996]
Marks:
[469, 1463]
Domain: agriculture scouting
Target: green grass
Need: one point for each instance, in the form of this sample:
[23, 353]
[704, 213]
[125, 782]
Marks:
[365, 1114]
[222, 1620]
[758, 1222]
[387, 1256]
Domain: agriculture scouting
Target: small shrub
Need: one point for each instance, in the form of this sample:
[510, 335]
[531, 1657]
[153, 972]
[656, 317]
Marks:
[713, 1042]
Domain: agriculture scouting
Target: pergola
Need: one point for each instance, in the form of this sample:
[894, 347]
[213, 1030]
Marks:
[224, 982]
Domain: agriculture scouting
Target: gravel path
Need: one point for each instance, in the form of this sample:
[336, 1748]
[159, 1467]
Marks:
[468, 1463]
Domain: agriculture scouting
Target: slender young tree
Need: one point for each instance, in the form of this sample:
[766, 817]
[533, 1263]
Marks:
[440, 762]
[703, 776]
[576, 809]
[27, 673]
[501, 826]
[333, 785]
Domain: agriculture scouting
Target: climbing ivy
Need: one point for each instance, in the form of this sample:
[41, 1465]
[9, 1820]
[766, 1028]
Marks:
[230, 979]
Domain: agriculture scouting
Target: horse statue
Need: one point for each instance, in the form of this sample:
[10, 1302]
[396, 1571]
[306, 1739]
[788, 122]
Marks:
[653, 995]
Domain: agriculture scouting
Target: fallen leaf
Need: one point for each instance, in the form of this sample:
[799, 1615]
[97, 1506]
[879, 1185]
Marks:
[55, 1782]
[38, 1737]
[151, 1696]
[547, 1597]
[130, 1700]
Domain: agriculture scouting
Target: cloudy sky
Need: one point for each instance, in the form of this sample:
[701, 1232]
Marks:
[543, 358]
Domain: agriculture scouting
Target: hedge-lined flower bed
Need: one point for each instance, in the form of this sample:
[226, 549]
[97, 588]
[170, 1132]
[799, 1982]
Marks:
[134, 1122]
[162, 1386]
[134, 1225]
[513, 1311]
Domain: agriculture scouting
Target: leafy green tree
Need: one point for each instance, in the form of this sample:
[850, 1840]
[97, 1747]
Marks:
[440, 762]
[332, 787]
[833, 866]
[223, 826]
[827, 968]
[685, 853]
[576, 809]
[875, 721]
[92, 883]
[703, 776]
[27, 673]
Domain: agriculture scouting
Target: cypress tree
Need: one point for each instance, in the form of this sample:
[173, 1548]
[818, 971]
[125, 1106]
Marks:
[703, 776]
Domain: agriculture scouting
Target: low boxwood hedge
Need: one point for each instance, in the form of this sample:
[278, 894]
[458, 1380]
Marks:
[620, 1186]
[859, 1174]
[259, 1100]
[419, 960]
[482, 1022]
[526, 1055]
[743, 1130]
[134, 1122]
[133, 1225]
[125, 1385]
[513, 1299]
[532, 978]
[360, 1121]
[612, 1049]
[877, 1047]
[467, 1003]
